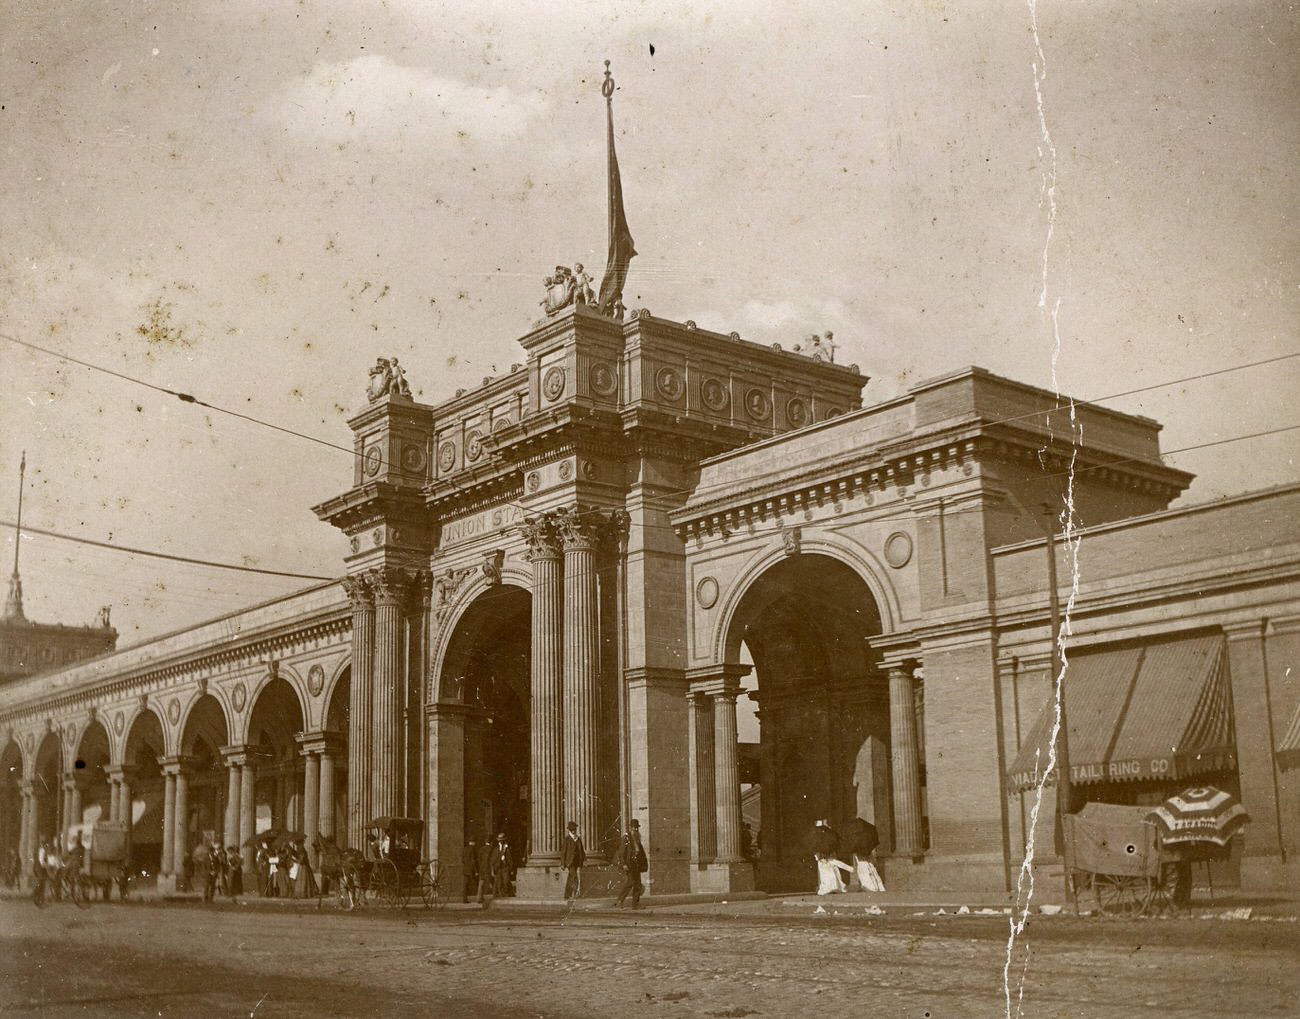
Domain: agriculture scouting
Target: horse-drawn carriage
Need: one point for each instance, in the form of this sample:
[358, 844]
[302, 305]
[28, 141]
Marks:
[389, 869]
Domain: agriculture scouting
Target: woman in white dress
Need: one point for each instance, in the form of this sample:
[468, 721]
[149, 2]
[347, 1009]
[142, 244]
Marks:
[829, 865]
[865, 840]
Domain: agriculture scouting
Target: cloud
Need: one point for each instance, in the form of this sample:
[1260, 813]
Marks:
[372, 100]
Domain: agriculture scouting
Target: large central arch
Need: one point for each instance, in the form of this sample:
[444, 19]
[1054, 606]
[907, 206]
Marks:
[486, 670]
[823, 718]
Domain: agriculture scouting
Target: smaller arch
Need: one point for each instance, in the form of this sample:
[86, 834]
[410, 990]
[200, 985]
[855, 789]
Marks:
[263, 682]
[204, 716]
[852, 555]
[341, 672]
[511, 576]
[141, 716]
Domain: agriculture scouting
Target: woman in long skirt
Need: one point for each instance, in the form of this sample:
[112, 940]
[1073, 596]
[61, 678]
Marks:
[234, 872]
[304, 881]
[829, 866]
[865, 841]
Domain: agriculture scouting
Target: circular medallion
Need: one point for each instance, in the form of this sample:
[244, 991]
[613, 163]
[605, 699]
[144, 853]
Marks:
[553, 383]
[796, 412]
[473, 446]
[757, 404]
[446, 456]
[239, 697]
[669, 384]
[373, 459]
[377, 536]
[566, 470]
[500, 423]
[119, 723]
[589, 470]
[174, 711]
[316, 680]
[714, 394]
[603, 382]
[412, 457]
[534, 482]
[835, 412]
[898, 549]
[706, 593]
[355, 544]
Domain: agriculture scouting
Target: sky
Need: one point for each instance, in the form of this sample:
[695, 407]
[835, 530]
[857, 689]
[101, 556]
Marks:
[250, 202]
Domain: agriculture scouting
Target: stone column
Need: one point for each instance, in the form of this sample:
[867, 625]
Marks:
[704, 818]
[73, 800]
[386, 794]
[311, 800]
[904, 761]
[580, 533]
[230, 825]
[546, 779]
[180, 838]
[247, 814]
[25, 833]
[126, 815]
[325, 822]
[167, 865]
[359, 706]
[727, 775]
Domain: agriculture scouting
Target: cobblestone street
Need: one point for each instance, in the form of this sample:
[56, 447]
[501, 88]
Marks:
[183, 960]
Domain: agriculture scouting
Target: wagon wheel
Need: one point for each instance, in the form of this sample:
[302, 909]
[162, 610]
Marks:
[433, 886]
[1119, 895]
[83, 891]
[388, 883]
[347, 890]
[1165, 890]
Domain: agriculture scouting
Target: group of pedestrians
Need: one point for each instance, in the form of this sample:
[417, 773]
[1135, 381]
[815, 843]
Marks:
[221, 871]
[861, 844]
[284, 870]
[489, 870]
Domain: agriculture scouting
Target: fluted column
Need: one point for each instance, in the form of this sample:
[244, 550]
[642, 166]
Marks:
[167, 865]
[580, 533]
[359, 706]
[125, 813]
[230, 826]
[311, 799]
[391, 587]
[905, 765]
[547, 685]
[73, 799]
[325, 822]
[247, 810]
[25, 830]
[704, 818]
[181, 810]
[727, 775]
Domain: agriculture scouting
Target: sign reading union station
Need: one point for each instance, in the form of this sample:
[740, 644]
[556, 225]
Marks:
[454, 532]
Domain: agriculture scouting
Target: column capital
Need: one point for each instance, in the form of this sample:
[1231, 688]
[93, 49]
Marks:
[581, 529]
[359, 592]
[121, 772]
[651, 677]
[541, 534]
[1252, 629]
[27, 787]
[391, 585]
[718, 680]
[322, 742]
[176, 765]
[901, 667]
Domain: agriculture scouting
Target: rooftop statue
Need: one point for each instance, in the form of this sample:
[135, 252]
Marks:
[387, 378]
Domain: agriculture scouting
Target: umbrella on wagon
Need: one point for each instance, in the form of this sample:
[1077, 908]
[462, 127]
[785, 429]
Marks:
[1199, 814]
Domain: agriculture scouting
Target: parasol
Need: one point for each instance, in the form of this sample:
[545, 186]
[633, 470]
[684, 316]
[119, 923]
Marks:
[1199, 814]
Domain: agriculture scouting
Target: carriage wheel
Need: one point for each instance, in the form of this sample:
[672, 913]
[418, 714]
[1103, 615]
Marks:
[1165, 890]
[433, 888]
[388, 882]
[83, 891]
[1118, 895]
[347, 891]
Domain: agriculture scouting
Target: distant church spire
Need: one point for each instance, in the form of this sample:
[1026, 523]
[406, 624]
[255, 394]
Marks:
[14, 603]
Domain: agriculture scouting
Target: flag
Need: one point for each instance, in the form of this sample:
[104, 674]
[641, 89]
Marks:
[621, 245]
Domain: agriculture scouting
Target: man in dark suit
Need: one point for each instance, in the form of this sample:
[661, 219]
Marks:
[572, 857]
[503, 867]
[632, 858]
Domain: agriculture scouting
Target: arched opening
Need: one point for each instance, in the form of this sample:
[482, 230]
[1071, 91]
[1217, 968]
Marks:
[486, 668]
[205, 733]
[274, 727]
[46, 787]
[337, 716]
[142, 804]
[817, 747]
[92, 799]
[11, 816]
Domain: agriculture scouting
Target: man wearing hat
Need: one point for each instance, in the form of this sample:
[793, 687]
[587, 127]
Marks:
[503, 866]
[572, 857]
[632, 858]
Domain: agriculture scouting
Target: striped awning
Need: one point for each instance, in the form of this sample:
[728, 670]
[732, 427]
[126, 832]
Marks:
[1158, 710]
[1288, 751]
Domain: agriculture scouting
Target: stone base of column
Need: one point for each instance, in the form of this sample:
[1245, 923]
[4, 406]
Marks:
[541, 882]
[168, 884]
[719, 878]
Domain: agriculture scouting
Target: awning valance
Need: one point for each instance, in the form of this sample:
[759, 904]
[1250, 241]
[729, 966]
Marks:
[1159, 710]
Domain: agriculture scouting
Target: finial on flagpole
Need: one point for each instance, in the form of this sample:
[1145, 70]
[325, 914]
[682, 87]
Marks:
[607, 86]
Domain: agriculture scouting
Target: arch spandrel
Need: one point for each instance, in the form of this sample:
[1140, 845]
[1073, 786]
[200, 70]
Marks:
[255, 689]
[724, 646]
[511, 576]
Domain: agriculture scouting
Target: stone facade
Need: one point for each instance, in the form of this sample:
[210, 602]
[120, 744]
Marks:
[560, 584]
